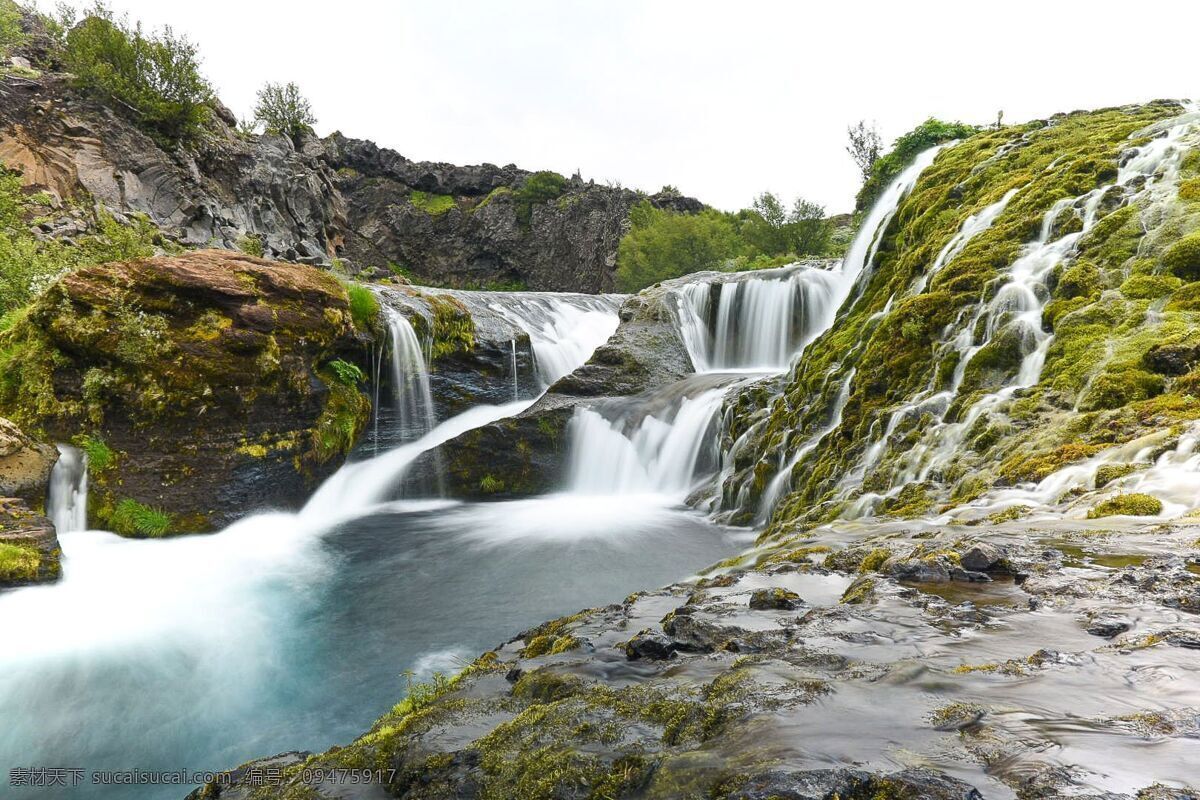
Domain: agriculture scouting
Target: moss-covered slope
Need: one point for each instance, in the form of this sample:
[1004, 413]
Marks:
[201, 386]
[1121, 315]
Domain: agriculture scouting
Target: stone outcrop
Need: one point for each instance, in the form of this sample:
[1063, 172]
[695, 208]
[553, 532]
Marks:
[29, 551]
[25, 464]
[202, 385]
[314, 200]
[527, 454]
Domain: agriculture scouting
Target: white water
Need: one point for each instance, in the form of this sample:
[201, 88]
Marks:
[657, 455]
[410, 377]
[759, 323]
[66, 504]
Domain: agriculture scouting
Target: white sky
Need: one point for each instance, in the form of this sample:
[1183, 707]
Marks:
[722, 99]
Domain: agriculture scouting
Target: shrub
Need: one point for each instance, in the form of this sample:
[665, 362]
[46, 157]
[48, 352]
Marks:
[1183, 258]
[156, 76]
[251, 244]
[131, 518]
[1134, 505]
[664, 244]
[99, 455]
[540, 187]
[283, 110]
[11, 32]
[929, 133]
[364, 307]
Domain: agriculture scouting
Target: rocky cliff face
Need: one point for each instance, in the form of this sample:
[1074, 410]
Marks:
[201, 386]
[316, 200]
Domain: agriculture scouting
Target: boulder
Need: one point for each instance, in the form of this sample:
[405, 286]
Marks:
[25, 465]
[202, 385]
[775, 599]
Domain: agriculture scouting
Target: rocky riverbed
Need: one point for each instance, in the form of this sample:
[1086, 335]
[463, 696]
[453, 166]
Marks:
[905, 660]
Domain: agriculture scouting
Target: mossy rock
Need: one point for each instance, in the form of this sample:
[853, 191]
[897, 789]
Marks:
[1134, 505]
[1182, 259]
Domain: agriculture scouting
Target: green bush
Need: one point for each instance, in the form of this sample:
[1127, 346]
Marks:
[1135, 505]
[131, 518]
[11, 32]
[251, 244]
[283, 110]
[540, 187]
[155, 76]
[99, 455]
[663, 244]
[929, 133]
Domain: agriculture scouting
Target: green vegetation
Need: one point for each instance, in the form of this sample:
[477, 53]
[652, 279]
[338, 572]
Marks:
[131, 518]
[364, 306]
[28, 265]
[99, 455]
[540, 187]
[11, 33]
[432, 204]
[154, 76]
[19, 562]
[663, 244]
[1182, 259]
[1135, 504]
[251, 244]
[884, 169]
[342, 420]
[283, 111]
[347, 373]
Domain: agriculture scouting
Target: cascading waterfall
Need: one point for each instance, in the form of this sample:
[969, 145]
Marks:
[66, 504]
[410, 378]
[654, 454]
[758, 324]
[1016, 310]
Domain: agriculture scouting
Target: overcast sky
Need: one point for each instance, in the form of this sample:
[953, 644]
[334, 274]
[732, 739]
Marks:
[722, 99]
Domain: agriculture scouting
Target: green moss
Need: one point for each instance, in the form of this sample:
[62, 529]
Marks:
[432, 204]
[1023, 466]
[1080, 280]
[874, 559]
[1190, 190]
[452, 330]
[1120, 385]
[1150, 287]
[499, 191]
[1183, 258]
[1008, 514]
[342, 419]
[131, 518]
[912, 501]
[1135, 504]
[1107, 473]
[860, 592]
[19, 563]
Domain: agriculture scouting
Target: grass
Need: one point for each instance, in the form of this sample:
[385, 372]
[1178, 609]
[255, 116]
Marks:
[99, 455]
[432, 204]
[131, 518]
[364, 307]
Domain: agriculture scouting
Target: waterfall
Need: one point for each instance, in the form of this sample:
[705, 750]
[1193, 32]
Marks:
[653, 454]
[759, 323]
[66, 504]
[410, 378]
[512, 368]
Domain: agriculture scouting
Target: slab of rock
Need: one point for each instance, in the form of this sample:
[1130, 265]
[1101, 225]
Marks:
[25, 464]
[775, 599]
[1108, 626]
[29, 551]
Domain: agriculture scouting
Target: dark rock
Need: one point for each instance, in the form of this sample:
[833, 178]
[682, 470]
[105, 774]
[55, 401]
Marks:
[957, 574]
[920, 571]
[1184, 637]
[649, 647]
[775, 599]
[1108, 627]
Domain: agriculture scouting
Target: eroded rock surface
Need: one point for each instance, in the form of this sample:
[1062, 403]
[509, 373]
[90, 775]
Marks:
[29, 551]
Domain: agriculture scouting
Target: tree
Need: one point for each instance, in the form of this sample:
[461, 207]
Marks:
[865, 147]
[283, 110]
[155, 76]
[769, 228]
[664, 244]
[808, 231]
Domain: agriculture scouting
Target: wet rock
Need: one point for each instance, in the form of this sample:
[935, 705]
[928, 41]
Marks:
[25, 464]
[981, 557]
[958, 574]
[649, 647]
[847, 783]
[920, 571]
[775, 599]
[29, 551]
[695, 635]
[1184, 637]
[1109, 626]
[205, 376]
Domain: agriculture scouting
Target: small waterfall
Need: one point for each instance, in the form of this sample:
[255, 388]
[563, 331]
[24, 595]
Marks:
[512, 368]
[410, 378]
[651, 454]
[67, 502]
[760, 323]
